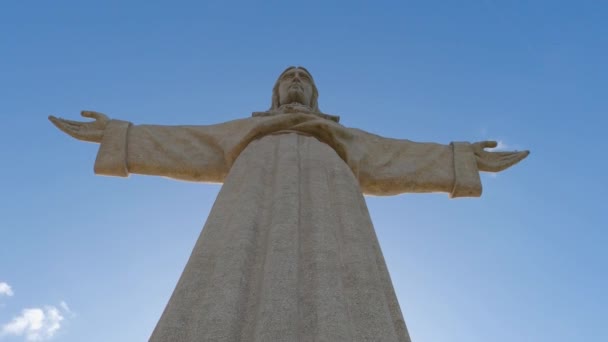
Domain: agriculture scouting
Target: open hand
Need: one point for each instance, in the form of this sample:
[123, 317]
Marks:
[87, 131]
[495, 161]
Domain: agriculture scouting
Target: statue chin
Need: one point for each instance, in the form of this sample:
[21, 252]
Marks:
[296, 96]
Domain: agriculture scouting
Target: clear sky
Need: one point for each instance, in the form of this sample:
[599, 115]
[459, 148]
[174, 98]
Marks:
[89, 258]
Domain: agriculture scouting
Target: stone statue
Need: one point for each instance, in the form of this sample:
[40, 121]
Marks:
[288, 252]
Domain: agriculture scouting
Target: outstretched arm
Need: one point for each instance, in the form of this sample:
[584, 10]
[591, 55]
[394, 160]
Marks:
[394, 166]
[193, 153]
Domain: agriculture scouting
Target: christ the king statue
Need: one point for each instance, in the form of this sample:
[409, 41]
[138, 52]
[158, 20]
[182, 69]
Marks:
[288, 252]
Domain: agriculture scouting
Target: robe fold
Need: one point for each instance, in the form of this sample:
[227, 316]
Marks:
[288, 252]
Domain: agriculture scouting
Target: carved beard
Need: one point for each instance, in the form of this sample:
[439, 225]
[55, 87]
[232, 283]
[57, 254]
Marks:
[296, 95]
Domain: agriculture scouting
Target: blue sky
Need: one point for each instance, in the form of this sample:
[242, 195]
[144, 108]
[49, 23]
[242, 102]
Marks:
[94, 258]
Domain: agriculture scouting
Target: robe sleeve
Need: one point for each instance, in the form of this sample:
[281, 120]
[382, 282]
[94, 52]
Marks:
[192, 153]
[394, 166]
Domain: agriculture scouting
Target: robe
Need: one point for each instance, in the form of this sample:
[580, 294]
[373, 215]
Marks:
[288, 252]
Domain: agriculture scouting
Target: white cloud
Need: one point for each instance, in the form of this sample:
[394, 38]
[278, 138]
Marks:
[5, 289]
[36, 324]
[65, 307]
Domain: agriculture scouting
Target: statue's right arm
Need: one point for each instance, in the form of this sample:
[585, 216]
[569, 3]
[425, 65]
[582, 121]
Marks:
[192, 153]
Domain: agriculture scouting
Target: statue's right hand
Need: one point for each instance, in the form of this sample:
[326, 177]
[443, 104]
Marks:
[87, 131]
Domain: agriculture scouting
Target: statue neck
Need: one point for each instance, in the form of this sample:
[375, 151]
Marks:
[296, 108]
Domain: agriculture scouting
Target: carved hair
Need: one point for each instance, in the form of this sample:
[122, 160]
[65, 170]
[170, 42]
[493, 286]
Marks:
[314, 105]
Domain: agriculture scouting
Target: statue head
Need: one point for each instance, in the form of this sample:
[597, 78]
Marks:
[295, 92]
[295, 85]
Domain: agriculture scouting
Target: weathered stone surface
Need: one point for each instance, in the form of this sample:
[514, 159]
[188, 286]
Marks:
[288, 253]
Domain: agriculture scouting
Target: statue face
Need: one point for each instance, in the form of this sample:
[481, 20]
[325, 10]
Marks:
[295, 86]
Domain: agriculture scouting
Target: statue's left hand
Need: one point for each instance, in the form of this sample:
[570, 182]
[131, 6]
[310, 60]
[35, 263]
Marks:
[87, 131]
[495, 161]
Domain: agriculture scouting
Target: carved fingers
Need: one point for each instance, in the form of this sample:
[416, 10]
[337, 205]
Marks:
[479, 146]
[495, 161]
[87, 131]
[95, 115]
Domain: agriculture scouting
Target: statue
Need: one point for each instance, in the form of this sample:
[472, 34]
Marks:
[288, 252]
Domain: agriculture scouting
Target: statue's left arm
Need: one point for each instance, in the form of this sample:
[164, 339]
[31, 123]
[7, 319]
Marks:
[392, 166]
